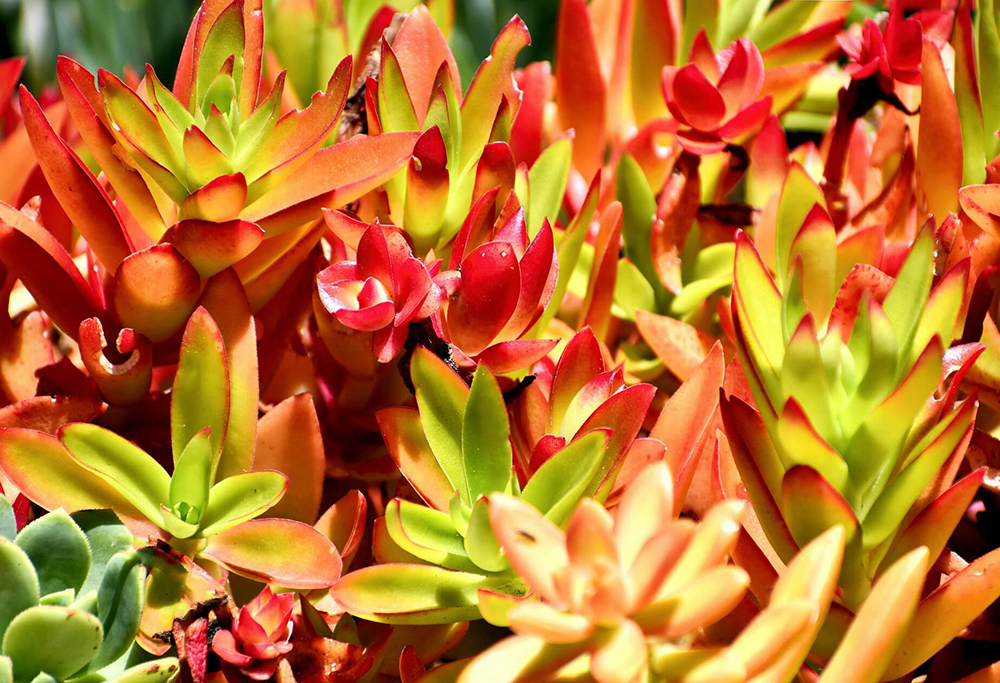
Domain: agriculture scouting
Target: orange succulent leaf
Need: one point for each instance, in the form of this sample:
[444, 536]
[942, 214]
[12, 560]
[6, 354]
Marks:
[280, 551]
[289, 440]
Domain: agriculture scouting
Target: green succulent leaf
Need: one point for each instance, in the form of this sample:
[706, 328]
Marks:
[200, 396]
[639, 209]
[418, 594]
[59, 551]
[8, 525]
[427, 534]
[120, 601]
[904, 305]
[191, 480]
[124, 466]
[240, 498]
[486, 447]
[158, 671]
[57, 640]
[547, 184]
[106, 536]
[558, 484]
[19, 589]
[441, 399]
[480, 543]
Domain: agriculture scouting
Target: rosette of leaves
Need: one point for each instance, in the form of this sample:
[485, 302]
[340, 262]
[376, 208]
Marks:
[848, 429]
[454, 449]
[194, 517]
[71, 600]
[464, 149]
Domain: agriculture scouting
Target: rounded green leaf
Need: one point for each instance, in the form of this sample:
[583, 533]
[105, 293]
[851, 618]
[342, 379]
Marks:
[127, 468]
[57, 640]
[8, 525]
[120, 601]
[59, 551]
[19, 588]
[237, 499]
[486, 449]
[107, 536]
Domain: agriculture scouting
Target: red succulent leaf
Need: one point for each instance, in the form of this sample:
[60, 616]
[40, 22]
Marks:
[488, 297]
[213, 247]
[120, 384]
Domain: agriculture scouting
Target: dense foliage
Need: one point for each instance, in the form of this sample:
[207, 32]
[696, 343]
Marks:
[674, 360]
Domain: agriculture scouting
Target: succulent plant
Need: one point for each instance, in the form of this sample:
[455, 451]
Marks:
[72, 599]
[259, 635]
[199, 514]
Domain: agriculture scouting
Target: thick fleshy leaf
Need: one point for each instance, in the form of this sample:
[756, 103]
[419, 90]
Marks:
[881, 624]
[486, 450]
[427, 534]
[278, 551]
[58, 550]
[441, 397]
[939, 163]
[579, 363]
[71, 635]
[520, 659]
[120, 384]
[421, 49]
[76, 188]
[491, 83]
[20, 589]
[34, 255]
[704, 600]
[646, 507]
[404, 437]
[534, 546]
[240, 498]
[200, 396]
[334, 176]
[639, 210]
[935, 523]
[417, 594]
[556, 487]
[130, 471]
[686, 419]
[213, 247]
[580, 88]
[191, 479]
[289, 440]
[224, 299]
[945, 612]
[811, 506]
[679, 345]
[297, 135]
[45, 472]
[218, 201]
[344, 524]
[901, 493]
[155, 291]
[427, 190]
[486, 299]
